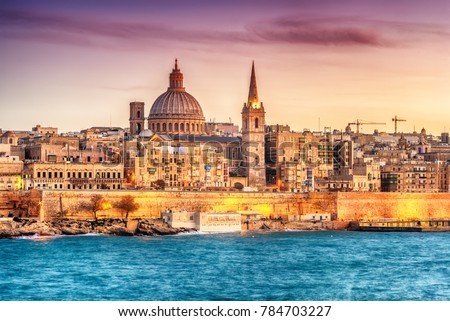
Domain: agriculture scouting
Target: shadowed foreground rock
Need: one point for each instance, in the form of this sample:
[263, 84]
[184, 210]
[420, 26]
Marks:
[28, 227]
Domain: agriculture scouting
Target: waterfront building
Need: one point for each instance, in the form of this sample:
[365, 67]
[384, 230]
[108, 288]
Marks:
[414, 177]
[10, 173]
[203, 221]
[73, 176]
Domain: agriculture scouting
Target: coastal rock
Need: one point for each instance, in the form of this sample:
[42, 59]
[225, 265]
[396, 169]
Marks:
[156, 229]
[74, 231]
[120, 231]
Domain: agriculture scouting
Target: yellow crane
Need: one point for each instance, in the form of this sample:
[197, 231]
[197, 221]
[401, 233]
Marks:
[396, 120]
[359, 122]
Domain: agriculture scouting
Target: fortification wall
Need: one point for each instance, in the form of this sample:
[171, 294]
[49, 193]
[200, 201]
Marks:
[407, 206]
[151, 203]
[348, 206]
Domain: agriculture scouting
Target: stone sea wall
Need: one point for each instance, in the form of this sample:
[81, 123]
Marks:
[151, 203]
[347, 206]
[406, 206]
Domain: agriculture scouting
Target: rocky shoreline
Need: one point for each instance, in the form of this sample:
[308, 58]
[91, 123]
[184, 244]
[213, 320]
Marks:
[18, 227]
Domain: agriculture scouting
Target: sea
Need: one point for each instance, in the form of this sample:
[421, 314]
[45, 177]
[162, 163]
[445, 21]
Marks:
[249, 266]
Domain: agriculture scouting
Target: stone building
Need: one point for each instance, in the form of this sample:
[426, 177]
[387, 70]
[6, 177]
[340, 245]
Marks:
[10, 173]
[73, 176]
[414, 177]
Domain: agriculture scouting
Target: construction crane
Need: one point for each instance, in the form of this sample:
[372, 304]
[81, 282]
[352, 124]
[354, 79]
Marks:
[359, 122]
[396, 120]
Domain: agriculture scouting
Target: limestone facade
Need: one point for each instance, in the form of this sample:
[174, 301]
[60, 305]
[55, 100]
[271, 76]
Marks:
[73, 176]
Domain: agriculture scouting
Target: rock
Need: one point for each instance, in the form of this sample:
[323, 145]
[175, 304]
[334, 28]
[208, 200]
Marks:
[74, 231]
[120, 230]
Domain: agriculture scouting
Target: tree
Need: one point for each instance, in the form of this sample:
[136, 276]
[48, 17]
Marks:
[127, 204]
[160, 184]
[238, 186]
[96, 203]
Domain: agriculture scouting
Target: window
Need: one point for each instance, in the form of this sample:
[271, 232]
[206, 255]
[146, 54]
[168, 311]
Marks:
[138, 114]
[170, 127]
[158, 127]
[60, 174]
[256, 122]
[164, 127]
[68, 176]
[49, 174]
[89, 159]
[176, 127]
[79, 174]
[38, 174]
[182, 127]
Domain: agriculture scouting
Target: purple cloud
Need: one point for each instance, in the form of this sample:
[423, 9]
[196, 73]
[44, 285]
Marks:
[89, 31]
[320, 31]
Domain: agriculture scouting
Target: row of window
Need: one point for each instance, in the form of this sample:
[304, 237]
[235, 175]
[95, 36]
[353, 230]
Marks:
[80, 175]
[176, 127]
[74, 186]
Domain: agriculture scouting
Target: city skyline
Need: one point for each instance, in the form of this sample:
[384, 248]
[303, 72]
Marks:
[75, 66]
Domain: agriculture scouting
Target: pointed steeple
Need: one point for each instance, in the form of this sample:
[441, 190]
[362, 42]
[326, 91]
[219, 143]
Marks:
[176, 79]
[253, 99]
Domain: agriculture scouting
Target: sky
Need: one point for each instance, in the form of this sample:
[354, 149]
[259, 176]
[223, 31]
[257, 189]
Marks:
[74, 65]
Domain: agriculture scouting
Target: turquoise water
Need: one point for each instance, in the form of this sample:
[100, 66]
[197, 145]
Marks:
[256, 266]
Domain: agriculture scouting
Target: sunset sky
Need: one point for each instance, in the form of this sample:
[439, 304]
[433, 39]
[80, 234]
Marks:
[78, 65]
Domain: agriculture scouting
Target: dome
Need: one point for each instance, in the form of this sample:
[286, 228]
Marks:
[176, 111]
[9, 134]
[146, 133]
[176, 103]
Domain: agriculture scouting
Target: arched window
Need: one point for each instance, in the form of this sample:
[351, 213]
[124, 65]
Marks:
[256, 122]
[138, 114]
[193, 127]
[245, 124]
[10, 140]
[153, 127]
[164, 127]
[197, 127]
[181, 127]
[158, 127]
[176, 127]
[187, 127]
[170, 127]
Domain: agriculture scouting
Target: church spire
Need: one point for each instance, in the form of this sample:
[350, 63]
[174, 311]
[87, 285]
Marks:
[253, 100]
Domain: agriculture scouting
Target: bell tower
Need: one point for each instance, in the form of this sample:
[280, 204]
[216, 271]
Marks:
[253, 121]
[137, 117]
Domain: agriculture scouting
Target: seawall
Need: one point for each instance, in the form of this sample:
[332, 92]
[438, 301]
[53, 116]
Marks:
[347, 206]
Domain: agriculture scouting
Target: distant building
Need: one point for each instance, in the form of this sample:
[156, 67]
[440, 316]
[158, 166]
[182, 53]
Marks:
[45, 130]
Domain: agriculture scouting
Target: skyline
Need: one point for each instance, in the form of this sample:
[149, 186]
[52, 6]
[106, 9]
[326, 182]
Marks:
[75, 66]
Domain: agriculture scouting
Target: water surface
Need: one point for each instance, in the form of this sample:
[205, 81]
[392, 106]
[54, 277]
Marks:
[320, 265]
